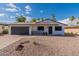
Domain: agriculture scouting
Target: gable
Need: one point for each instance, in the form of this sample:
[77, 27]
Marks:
[47, 22]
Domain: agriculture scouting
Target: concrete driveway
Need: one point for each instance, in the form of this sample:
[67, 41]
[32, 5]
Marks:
[6, 40]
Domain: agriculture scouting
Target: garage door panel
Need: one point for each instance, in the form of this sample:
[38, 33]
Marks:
[20, 30]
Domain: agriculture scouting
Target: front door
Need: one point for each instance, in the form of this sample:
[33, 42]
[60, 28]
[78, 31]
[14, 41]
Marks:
[50, 30]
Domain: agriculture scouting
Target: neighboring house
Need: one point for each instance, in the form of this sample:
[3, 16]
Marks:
[75, 22]
[3, 27]
[72, 29]
[47, 27]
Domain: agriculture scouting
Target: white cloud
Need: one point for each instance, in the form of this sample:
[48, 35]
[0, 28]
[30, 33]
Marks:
[27, 12]
[28, 19]
[12, 8]
[19, 8]
[17, 14]
[2, 14]
[11, 5]
[28, 8]
[22, 14]
[41, 11]
[12, 17]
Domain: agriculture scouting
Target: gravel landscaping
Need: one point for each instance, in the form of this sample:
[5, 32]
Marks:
[42, 46]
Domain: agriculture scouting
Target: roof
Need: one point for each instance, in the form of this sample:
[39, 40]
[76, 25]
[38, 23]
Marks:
[45, 22]
[71, 27]
[4, 24]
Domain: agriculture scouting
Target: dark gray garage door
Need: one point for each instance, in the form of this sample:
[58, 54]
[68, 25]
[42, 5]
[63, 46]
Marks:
[20, 30]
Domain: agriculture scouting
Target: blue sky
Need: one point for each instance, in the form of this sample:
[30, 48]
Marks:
[9, 11]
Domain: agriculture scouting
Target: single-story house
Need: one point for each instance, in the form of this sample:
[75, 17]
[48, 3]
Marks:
[47, 27]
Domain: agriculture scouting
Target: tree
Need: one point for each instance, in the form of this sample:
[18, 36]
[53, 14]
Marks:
[38, 19]
[33, 20]
[53, 17]
[71, 18]
[42, 19]
[21, 19]
[78, 18]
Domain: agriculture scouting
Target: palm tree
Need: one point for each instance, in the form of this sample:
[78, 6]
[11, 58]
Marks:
[78, 18]
[33, 20]
[53, 17]
[42, 19]
[78, 21]
[21, 19]
[38, 19]
[71, 18]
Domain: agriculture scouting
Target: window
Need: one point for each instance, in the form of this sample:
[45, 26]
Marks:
[58, 28]
[41, 28]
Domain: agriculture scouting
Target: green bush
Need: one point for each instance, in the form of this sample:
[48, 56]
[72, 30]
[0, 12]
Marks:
[5, 31]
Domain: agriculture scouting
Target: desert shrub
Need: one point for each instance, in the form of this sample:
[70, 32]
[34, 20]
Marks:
[5, 31]
[19, 47]
[35, 43]
[70, 34]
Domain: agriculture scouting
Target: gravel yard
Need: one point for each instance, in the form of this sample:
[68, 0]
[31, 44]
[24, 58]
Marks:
[40, 46]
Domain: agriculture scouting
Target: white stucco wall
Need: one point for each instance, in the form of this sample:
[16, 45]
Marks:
[9, 30]
[58, 32]
[34, 28]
